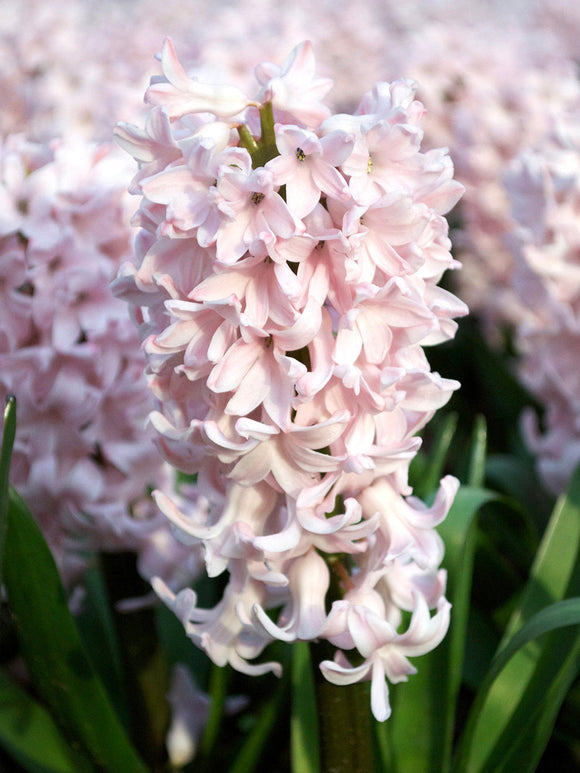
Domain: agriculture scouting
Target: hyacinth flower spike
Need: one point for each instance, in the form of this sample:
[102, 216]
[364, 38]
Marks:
[285, 282]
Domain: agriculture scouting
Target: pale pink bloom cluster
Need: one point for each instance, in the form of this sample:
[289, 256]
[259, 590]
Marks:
[83, 460]
[544, 185]
[490, 92]
[286, 277]
[68, 68]
[562, 19]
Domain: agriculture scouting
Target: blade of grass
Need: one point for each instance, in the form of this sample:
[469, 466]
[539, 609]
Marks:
[31, 737]
[527, 729]
[540, 712]
[52, 649]
[558, 615]
[555, 575]
[304, 742]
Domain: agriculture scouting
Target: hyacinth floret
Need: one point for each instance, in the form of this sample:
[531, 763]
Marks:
[285, 282]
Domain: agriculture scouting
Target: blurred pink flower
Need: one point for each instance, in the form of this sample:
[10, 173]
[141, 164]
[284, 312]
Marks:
[544, 185]
[83, 460]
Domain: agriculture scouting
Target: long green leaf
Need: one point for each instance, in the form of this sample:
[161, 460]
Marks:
[502, 709]
[28, 733]
[558, 615]
[459, 535]
[251, 751]
[97, 631]
[428, 700]
[50, 643]
[218, 687]
[304, 744]
[8, 435]
[527, 729]
[538, 713]
[435, 463]
[145, 671]
[476, 474]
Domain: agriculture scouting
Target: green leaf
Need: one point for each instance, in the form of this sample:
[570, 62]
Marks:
[52, 649]
[558, 615]
[426, 481]
[458, 531]
[500, 716]
[218, 687]
[29, 734]
[545, 703]
[527, 729]
[476, 474]
[428, 699]
[96, 627]
[480, 646]
[304, 744]
[144, 668]
[8, 435]
[250, 753]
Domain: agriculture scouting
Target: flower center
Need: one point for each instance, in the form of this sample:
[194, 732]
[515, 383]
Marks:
[257, 197]
[300, 154]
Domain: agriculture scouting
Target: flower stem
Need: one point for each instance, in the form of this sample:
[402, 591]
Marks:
[268, 137]
[345, 722]
[265, 148]
[247, 140]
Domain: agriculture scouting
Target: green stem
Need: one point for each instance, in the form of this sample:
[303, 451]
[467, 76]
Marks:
[265, 149]
[247, 140]
[345, 722]
[144, 665]
[268, 137]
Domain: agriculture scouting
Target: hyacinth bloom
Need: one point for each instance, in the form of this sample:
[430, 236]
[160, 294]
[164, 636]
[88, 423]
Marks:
[491, 89]
[544, 187]
[284, 282]
[83, 460]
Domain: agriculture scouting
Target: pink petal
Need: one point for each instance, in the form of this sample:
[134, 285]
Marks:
[239, 358]
[379, 692]
[254, 466]
[337, 674]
